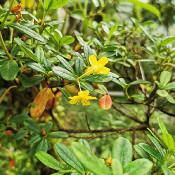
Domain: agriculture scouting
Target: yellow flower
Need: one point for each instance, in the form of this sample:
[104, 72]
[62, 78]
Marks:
[97, 67]
[83, 97]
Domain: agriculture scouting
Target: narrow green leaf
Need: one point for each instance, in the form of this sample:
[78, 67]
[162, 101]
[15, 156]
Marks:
[157, 145]
[166, 170]
[32, 126]
[65, 93]
[169, 141]
[21, 134]
[139, 167]
[26, 50]
[68, 157]
[35, 139]
[89, 160]
[85, 143]
[40, 54]
[147, 34]
[122, 150]
[146, 6]
[88, 52]
[169, 86]
[65, 64]
[29, 82]
[49, 161]
[42, 146]
[168, 40]
[152, 152]
[100, 78]
[36, 66]
[87, 86]
[162, 126]
[48, 126]
[9, 70]
[141, 152]
[138, 82]
[58, 134]
[18, 118]
[79, 64]
[63, 73]
[27, 31]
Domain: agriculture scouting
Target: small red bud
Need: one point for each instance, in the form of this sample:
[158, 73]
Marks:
[105, 102]
[12, 163]
[9, 132]
[43, 132]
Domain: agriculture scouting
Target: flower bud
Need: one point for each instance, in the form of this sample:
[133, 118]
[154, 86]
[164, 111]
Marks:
[105, 102]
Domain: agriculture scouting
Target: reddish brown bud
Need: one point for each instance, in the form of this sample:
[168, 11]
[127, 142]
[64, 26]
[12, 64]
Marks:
[109, 161]
[9, 132]
[43, 132]
[105, 102]
[12, 163]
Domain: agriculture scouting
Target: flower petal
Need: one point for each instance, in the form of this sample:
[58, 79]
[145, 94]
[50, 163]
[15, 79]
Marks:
[91, 98]
[89, 71]
[103, 61]
[85, 93]
[104, 70]
[85, 102]
[92, 60]
[74, 100]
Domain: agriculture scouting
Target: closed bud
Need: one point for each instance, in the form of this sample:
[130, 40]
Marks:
[105, 102]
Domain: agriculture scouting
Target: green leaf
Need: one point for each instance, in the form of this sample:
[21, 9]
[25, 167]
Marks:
[122, 150]
[85, 143]
[162, 126]
[18, 118]
[54, 4]
[36, 66]
[9, 70]
[116, 167]
[79, 64]
[87, 86]
[146, 6]
[152, 152]
[169, 141]
[166, 170]
[21, 134]
[27, 31]
[165, 77]
[170, 99]
[100, 78]
[65, 64]
[29, 82]
[68, 157]
[169, 86]
[168, 40]
[147, 34]
[58, 134]
[102, 88]
[157, 145]
[78, 14]
[40, 54]
[47, 127]
[66, 40]
[141, 152]
[162, 93]
[138, 82]
[35, 139]
[87, 52]
[139, 167]
[32, 126]
[89, 160]
[26, 50]
[49, 161]
[42, 146]
[96, 3]
[63, 73]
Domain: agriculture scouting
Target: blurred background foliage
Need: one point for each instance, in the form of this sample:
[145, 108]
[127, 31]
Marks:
[91, 21]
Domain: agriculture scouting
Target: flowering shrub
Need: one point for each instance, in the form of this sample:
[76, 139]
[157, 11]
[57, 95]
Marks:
[96, 56]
